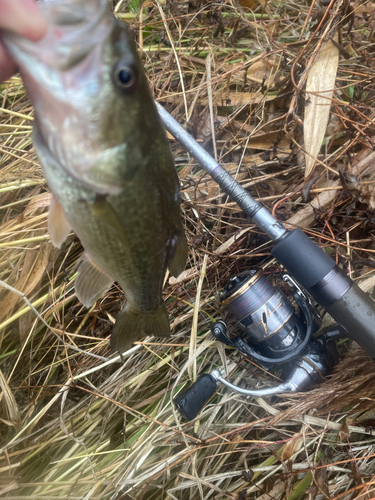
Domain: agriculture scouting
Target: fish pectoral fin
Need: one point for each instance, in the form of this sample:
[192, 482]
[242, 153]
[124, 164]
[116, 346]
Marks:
[178, 262]
[132, 323]
[103, 210]
[58, 226]
[92, 282]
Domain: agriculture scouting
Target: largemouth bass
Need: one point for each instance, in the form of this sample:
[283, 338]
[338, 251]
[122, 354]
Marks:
[106, 158]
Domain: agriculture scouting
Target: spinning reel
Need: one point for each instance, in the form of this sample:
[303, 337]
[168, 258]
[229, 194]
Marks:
[272, 334]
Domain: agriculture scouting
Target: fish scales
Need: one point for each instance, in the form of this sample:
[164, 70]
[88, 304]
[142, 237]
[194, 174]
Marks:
[106, 158]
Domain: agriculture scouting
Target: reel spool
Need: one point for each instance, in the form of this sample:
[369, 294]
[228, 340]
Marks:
[265, 315]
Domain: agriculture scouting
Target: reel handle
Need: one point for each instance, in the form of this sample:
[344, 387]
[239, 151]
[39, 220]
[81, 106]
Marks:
[190, 401]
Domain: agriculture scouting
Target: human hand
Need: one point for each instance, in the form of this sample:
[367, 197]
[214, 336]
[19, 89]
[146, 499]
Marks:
[22, 17]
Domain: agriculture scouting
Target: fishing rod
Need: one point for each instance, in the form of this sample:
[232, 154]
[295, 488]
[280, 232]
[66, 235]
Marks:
[264, 313]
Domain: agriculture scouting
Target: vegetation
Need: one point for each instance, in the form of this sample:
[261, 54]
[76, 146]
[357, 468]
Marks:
[78, 422]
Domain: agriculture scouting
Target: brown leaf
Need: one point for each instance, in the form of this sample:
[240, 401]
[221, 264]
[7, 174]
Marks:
[33, 269]
[306, 216]
[292, 446]
[275, 492]
[249, 4]
[368, 195]
[367, 7]
[319, 89]
[227, 244]
[42, 200]
[264, 71]
[344, 432]
[320, 482]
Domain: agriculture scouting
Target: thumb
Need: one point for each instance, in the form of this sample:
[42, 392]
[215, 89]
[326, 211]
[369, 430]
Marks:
[22, 17]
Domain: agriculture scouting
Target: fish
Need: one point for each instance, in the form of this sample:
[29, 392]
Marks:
[107, 161]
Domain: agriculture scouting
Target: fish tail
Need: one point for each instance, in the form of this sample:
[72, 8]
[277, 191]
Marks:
[132, 323]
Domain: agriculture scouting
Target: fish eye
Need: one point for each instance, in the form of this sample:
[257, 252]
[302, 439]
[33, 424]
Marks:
[125, 78]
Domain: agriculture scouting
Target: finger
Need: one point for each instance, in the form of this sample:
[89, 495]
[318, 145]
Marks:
[7, 65]
[23, 17]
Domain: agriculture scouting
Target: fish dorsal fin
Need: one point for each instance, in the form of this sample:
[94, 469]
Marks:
[179, 259]
[58, 226]
[92, 282]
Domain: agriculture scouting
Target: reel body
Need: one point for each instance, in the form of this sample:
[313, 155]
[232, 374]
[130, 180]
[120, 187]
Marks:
[265, 315]
[271, 334]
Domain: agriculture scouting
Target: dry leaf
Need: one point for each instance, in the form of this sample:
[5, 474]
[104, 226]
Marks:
[275, 492]
[367, 195]
[327, 322]
[265, 70]
[249, 4]
[367, 7]
[227, 244]
[253, 4]
[344, 432]
[292, 446]
[319, 88]
[320, 482]
[306, 216]
[42, 200]
[33, 269]
[203, 128]
[367, 284]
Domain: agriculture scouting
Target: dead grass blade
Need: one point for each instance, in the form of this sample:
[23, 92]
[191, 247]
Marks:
[10, 403]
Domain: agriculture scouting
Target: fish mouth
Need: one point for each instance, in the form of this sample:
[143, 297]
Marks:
[63, 74]
[75, 27]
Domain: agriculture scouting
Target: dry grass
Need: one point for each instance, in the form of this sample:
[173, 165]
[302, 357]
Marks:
[77, 422]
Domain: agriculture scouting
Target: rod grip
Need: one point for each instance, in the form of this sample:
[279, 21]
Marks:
[304, 260]
[190, 401]
[355, 311]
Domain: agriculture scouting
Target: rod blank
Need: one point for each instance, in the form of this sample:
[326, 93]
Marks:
[254, 209]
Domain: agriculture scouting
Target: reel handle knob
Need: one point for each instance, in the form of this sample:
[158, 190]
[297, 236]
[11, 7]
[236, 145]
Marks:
[190, 401]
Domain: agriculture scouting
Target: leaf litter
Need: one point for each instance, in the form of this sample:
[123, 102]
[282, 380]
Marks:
[319, 91]
[76, 421]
